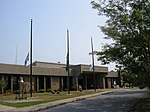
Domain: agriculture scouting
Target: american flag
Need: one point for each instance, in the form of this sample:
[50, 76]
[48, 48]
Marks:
[26, 60]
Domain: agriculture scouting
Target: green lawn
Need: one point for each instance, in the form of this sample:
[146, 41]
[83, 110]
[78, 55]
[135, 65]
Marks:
[44, 98]
[144, 104]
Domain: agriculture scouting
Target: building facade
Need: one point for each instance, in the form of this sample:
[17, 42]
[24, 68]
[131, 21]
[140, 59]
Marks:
[54, 76]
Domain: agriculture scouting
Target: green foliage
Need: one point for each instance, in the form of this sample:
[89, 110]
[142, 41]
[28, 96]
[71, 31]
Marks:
[8, 92]
[143, 104]
[128, 25]
[49, 90]
[41, 90]
[16, 92]
[129, 78]
[73, 89]
[3, 85]
[65, 89]
[22, 104]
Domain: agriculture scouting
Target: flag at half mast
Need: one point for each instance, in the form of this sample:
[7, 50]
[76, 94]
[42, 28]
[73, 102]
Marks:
[26, 60]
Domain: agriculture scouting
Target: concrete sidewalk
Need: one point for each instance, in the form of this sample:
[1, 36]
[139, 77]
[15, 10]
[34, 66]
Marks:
[4, 108]
[54, 103]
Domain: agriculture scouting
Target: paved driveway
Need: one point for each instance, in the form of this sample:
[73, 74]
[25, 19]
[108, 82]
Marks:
[112, 102]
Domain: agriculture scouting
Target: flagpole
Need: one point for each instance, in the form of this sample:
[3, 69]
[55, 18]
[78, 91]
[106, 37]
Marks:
[93, 64]
[16, 55]
[31, 62]
[67, 68]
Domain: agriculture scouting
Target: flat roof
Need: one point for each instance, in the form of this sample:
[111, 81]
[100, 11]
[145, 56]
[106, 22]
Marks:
[47, 68]
[25, 70]
[112, 74]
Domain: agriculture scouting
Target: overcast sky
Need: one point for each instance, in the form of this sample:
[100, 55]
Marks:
[51, 19]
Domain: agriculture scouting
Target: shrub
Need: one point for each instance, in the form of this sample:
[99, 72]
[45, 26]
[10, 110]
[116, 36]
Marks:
[8, 92]
[16, 92]
[73, 89]
[65, 89]
[41, 90]
[49, 90]
[141, 86]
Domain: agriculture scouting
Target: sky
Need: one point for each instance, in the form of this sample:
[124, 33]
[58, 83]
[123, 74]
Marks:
[51, 19]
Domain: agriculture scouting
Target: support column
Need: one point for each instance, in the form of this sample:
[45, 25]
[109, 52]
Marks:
[37, 83]
[12, 84]
[112, 82]
[44, 83]
[2, 87]
[62, 84]
[77, 83]
[51, 83]
[104, 83]
[86, 81]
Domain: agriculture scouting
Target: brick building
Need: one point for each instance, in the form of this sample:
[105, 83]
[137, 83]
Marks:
[54, 76]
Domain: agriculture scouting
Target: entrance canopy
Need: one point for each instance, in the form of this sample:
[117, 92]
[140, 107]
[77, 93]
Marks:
[85, 76]
[81, 69]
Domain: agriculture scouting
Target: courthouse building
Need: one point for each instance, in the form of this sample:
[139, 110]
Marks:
[54, 76]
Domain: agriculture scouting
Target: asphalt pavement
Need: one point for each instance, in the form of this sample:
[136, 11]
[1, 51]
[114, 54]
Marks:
[123, 101]
[64, 102]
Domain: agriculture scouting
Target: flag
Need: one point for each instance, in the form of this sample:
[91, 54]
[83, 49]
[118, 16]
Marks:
[26, 60]
[91, 67]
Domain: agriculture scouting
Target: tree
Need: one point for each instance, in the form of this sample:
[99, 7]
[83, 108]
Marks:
[128, 25]
[2, 85]
[129, 78]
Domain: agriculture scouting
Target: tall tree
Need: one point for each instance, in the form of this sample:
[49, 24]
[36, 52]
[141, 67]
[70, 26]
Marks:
[128, 25]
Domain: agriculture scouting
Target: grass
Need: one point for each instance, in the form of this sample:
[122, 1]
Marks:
[44, 98]
[144, 104]
[21, 104]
